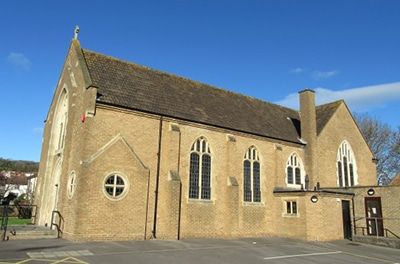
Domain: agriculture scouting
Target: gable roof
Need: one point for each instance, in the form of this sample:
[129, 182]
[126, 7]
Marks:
[395, 180]
[132, 86]
[324, 114]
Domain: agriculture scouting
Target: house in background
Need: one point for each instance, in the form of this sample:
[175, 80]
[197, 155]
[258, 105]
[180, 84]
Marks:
[132, 153]
[13, 182]
[17, 184]
[31, 187]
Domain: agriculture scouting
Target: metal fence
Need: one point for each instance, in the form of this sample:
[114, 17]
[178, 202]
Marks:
[16, 211]
[20, 211]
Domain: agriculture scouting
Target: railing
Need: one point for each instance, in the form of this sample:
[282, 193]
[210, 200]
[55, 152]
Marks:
[390, 232]
[386, 231]
[16, 210]
[379, 227]
[56, 214]
[20, 211]
[4, 222]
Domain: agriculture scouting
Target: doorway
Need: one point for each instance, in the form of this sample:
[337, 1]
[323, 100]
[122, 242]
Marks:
[373, 215]
[347, 234]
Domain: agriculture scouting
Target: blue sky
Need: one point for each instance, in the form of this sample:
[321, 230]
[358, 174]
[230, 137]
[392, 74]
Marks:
[271, 50]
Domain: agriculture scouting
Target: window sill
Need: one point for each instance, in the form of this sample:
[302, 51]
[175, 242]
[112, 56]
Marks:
[255, 204]
[294, 186]
[291, 215]
[200, 201]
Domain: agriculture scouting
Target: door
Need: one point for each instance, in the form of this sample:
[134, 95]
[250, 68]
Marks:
[373, 214]
[347, 234]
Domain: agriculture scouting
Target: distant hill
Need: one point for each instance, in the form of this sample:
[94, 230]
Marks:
[18, 165]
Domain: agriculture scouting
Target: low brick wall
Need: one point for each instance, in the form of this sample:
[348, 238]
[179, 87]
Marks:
[379, 241]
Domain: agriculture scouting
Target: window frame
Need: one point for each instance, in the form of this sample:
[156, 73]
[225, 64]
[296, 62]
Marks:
[346, 168]
[291, 208]
[252, 176]
[71, 186]
[200, 171]
[115, 185]
[295, 176]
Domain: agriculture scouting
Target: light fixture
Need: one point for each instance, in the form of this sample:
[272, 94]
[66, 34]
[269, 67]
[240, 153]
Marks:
[371, 191]
[314, 199]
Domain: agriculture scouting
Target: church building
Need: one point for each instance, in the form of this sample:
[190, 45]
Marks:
[133, 153]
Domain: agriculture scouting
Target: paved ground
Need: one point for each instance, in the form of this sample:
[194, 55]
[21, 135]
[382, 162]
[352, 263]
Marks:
[246, 250]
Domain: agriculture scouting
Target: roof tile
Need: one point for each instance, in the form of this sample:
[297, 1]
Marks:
[132, 86]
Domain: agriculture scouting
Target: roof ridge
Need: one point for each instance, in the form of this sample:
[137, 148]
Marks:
[338, 102]
[325, 113]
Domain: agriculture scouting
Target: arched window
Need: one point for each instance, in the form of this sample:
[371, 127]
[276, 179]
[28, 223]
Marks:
[60, 121]
[294, 171]
[251, 176]
[346, 166]
[200, 170]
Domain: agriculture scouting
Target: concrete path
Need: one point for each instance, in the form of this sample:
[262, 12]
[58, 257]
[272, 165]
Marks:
[245, 250]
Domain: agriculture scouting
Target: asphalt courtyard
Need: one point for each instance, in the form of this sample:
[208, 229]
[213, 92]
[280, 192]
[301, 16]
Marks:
[244, 250]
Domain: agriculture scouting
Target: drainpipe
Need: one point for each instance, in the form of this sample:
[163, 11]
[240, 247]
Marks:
[157, 178]
[180, 190]
[147, 205]
[354, 215]
[179, 211]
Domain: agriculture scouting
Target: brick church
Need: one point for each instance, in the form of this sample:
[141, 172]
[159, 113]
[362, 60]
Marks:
[133, 153]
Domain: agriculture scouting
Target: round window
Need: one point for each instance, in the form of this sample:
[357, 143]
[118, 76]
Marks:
[115, 186]
[71, 185]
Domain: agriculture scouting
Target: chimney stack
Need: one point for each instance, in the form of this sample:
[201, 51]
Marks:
[308, 126]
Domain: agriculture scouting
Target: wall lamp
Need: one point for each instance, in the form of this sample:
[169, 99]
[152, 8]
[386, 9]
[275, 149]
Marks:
[371, 191]
[314, 199]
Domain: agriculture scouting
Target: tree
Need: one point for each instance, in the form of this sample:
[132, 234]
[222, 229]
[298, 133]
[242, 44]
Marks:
[384, 142]
[18, 165]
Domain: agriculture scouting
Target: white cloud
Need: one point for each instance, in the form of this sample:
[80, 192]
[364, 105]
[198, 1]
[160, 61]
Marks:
[298, 70]
[291, 101]
[318, 75]
[315, 75]
[357, 99]
[19, 60]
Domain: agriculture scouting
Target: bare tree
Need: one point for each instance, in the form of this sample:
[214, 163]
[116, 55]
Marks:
[384, 142]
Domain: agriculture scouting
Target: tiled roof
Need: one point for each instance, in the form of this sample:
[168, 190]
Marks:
[132, 86]
[18, 180]
[396, 180]
[324, 114]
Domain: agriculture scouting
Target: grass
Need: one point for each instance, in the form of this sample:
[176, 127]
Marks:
[18, 221]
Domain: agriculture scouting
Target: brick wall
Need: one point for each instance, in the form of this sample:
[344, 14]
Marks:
[150, 151]
[335, 132]
[389, 196]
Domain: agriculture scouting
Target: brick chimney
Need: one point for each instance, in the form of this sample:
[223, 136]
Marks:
[308, 126]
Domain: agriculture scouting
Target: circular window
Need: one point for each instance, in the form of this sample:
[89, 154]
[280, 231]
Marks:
[71, 184]
[115, 186]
